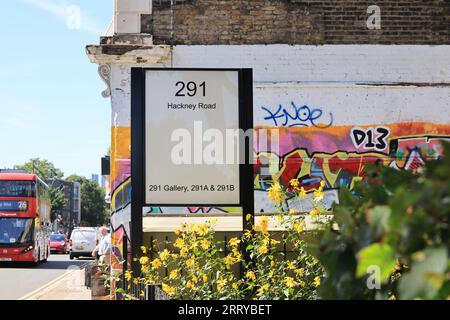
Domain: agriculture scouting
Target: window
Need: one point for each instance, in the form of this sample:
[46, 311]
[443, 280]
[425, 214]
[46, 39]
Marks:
[17, 188]
[57, 237]
[16, 231]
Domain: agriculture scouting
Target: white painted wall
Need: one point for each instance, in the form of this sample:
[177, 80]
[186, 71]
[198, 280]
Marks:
[351, 104]
[329, 77]
[127, 15]
[326, 63]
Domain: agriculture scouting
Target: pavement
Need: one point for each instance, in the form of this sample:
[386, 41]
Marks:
[57, 279]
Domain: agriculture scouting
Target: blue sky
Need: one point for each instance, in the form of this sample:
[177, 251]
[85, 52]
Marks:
[50, 94]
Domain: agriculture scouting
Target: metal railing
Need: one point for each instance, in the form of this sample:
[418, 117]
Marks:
[142, 291]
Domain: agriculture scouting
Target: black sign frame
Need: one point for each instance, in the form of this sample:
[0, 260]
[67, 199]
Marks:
[246, 175]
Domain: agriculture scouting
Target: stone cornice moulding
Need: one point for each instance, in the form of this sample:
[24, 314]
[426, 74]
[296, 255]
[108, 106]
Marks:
[126, 53]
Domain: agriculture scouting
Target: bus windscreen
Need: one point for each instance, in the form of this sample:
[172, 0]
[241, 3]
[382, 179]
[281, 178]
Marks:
[16, 231]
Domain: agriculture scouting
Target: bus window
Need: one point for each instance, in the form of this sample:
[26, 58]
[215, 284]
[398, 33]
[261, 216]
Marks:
[17, 188]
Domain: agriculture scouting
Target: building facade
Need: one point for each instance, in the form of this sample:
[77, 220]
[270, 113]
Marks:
[346, 83]
[70, 215]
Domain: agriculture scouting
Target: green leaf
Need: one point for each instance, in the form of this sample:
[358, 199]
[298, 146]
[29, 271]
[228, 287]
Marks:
[426, 276]
[377, 255]
[378, 218]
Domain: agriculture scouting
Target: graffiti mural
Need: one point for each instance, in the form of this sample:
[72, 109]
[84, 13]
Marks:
[120, 197]
[337, 155]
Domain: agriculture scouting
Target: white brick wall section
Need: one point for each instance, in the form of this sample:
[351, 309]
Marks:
[326, 63]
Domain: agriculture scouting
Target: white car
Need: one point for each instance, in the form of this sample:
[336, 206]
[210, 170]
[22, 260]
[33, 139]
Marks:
[82, 242]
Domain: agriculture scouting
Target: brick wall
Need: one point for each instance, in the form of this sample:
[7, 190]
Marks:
[299, 22]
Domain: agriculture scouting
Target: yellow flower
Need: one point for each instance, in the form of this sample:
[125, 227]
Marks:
[184, 251]
[142, 293]
[205, 244]
[302, 193]
[237, 255]
[135, 280]
[128, 275]
[302, 283]
[318, 195]
[272, 263]
[292, 211]
[221, 283]
[290, 282]
[179, 243]
[263, 250]
[190, 262]
[164, 255]
[194, 279]
[194, 244]
[168, 289]
[205, 278]
[234, 242]
[299, 272]
[213, 220]
[250, 275]
[235, 285]
[144, 260]
[229, 260]
[274, 193]
[263, 225]
[202, 230]
[143, 249]
[192, 228]
[263, 289]
[177, 232]
[298, 226]
[248, 217]
[247, 234]
[190, 285]
[294, 182]
[274, 242]
[317, 281]
[156, 264]
[291, 265]
[314, 212]
[173, 274]
[314, 260]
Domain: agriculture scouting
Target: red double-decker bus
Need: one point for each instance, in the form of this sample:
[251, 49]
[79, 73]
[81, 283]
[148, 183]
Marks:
[25, 224]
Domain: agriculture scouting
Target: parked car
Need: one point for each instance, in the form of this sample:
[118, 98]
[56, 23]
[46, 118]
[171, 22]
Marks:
[82, 242]
[59, 243]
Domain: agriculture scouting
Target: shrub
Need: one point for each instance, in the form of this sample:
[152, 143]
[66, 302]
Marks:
[389, 238]
[199, 267]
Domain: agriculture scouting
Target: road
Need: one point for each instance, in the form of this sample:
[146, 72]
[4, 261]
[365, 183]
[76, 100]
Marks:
[17, 280]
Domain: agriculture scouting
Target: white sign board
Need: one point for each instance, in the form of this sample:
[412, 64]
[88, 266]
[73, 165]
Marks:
[187, 116]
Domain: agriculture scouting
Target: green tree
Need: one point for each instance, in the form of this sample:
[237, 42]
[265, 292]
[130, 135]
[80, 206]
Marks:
[93, 207]
[76, 178]
[58, 200]
[43, 168]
